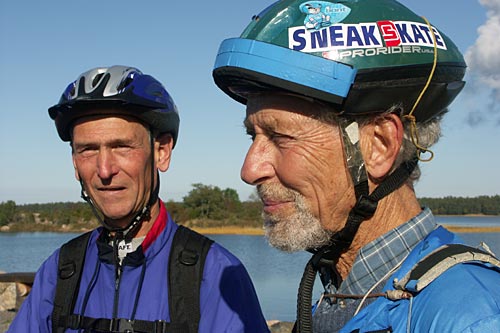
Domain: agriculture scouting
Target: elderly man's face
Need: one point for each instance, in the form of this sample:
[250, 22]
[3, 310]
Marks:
[297, 164]
[112, 157]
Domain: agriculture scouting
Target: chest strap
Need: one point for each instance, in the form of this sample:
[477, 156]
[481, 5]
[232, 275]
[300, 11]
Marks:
[77, 322]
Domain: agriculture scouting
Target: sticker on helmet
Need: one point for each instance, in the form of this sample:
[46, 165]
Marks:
[320, 14]
[323, 32]
[363, 35]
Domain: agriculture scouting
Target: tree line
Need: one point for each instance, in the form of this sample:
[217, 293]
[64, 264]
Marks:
[203, 206]
[481, 205]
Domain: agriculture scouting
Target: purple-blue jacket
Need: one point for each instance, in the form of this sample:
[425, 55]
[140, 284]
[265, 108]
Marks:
[228, 302]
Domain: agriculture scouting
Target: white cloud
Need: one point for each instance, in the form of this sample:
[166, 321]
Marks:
[483, 59]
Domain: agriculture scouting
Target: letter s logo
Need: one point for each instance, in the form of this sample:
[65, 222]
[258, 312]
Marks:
[298, 42]
[389, 33]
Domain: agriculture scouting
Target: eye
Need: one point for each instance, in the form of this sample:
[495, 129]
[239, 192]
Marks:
[86, 151]
[122, 147]
[279, 138]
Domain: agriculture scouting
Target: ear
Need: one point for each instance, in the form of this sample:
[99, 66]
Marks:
[381, 141]
[164, 144]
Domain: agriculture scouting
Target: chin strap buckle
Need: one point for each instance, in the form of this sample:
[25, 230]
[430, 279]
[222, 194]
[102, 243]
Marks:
[365, 207]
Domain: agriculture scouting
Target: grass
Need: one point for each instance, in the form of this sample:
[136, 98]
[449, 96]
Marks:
[229, 230]
[454, 228]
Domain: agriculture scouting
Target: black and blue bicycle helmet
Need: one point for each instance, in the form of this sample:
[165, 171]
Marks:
[125, 90]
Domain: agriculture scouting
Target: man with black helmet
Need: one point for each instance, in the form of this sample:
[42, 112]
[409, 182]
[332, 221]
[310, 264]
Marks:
[139, 272]
[340, 115]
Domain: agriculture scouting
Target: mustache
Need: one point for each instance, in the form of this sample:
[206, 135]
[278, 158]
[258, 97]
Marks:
[275, 192]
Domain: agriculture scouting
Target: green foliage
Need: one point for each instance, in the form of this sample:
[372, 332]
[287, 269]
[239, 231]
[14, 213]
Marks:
[68, 216]
[7, 212]
[178, 211]
[204, 206]
[210, 206]
[484, 205]
[210, 202]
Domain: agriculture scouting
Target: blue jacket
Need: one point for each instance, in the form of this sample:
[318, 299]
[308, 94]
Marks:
[465, 298]
[228, 302]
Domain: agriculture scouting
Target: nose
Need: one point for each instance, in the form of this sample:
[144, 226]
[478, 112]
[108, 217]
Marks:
[258, 165]
[106, 164]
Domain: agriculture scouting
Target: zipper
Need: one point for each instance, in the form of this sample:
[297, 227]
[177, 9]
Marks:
[118, 273]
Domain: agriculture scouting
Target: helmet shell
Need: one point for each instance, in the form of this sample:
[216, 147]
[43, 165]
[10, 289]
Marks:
[116, 90]
[385, 51]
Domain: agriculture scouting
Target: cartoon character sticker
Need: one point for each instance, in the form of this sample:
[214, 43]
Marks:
[320, 14]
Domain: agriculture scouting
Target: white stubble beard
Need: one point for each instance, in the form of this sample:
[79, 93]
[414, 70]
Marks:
[299, 231]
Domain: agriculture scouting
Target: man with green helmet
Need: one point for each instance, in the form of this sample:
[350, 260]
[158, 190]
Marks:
[343, 99]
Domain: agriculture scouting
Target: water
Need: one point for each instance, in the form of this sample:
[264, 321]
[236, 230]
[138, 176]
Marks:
[276, 275]
[478, 221]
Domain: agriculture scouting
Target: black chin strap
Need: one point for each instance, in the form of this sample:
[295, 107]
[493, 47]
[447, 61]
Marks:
[326, 256]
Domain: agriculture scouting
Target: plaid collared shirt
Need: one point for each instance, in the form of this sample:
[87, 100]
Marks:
[378, 257]
[374, 261]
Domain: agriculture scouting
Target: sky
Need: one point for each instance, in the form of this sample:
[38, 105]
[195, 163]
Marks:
[44, 45]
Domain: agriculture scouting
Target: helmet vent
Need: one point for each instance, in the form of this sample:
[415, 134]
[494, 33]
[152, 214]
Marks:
[125, 83]
[97, 79]
[72, 91]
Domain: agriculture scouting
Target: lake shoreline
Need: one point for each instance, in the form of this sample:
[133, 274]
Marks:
[467, 229]
[229, 230]
[254, 231]
[234, 230]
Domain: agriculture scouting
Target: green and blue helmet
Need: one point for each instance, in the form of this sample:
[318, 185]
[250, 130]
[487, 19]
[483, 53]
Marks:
[362, 56]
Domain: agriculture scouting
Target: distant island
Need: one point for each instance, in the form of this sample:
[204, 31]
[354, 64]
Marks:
[206, 208]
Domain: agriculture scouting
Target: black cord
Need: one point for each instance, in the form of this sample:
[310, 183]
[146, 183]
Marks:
[118, 270]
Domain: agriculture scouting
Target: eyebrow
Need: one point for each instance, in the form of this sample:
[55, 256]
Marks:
[114, 142]
[268, 127]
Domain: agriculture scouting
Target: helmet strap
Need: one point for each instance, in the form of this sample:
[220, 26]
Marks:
[325, 258]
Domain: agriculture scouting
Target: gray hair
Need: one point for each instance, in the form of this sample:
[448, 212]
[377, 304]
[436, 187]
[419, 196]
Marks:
[428, 133]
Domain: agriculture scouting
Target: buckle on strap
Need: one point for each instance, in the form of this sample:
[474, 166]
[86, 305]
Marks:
[72, 321]
[121, 325]
[365, 206]
[160, 326]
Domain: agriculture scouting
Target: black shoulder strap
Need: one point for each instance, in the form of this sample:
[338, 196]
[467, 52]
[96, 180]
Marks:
[71, 258]
[440, 260]
[186, 262]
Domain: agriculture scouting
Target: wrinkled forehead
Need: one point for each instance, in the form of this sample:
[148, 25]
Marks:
[286, 102]
[289, 105]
